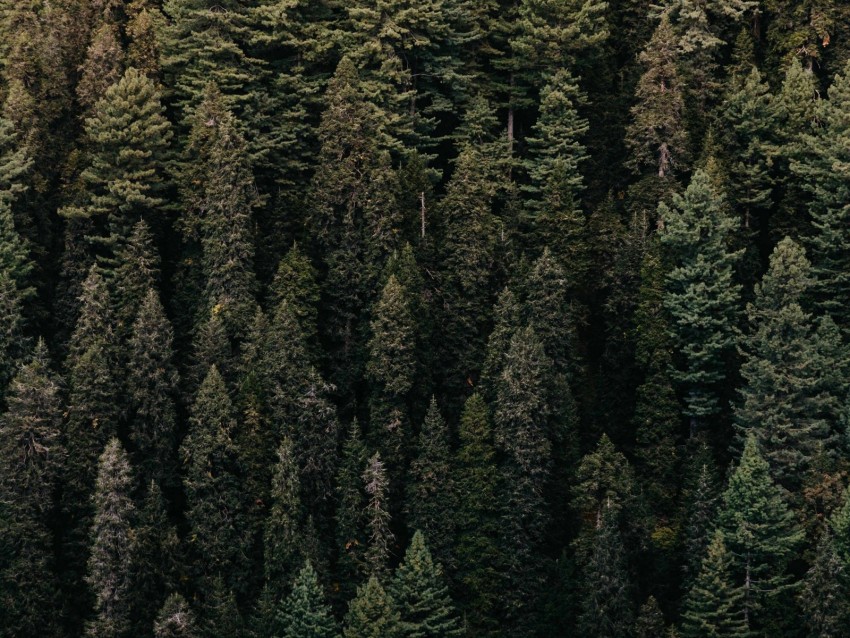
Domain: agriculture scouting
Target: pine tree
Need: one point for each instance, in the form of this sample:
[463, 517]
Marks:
[124, 179]
[220, 192]
[305, 614]
[137, 271]
[477, 551]
[701, 496]
[102, 67]
[431, 490]
[507, 319]
[761, 535]
[607, 608]
[351, 533]
[372, 613]
[296, 282]
[715, 604]
[702, 296]
[381, 538]
[820, 168]
[657, 137]
[216, 507]
[155, 560]
[792, 433]
[152, 383]
[175, 620]
[109, 564]
[142, 30]
[825, 591]
[13, 340]
[650, 620]
[31, 460]
[15, 161]
[839, 525]
[419, 590]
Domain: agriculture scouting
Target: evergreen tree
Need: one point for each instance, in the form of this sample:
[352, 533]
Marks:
[215, 503]
[137, 271]
[102, 67]
[702, 296]
[15, 161]
[31, 459]
[650, 620]
[825, 590]
[715, 604]
[296, 282]
[607, 607]
[762, 536]
[109, 564]
[431, 491]
[221, 195]
[351, 533]
[700, 503]
[792, 432]
[477, 551]
[420, 592]
[372, 613]
[381, 538]
[656, 136]
[142, 30]
[305, 614]
[124, 178]
[152, 384]
[175, 620]
[507, 319]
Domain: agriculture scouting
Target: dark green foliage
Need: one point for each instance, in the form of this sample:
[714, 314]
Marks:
[102, 67]
[372, 613]
[31, 459]
[702, 296]
[138, 271]
[824, 596]
[305, 614]
[381, 540]
[715, 604]
[351, 531]
[650, 621]
[216, 505]
[109, 564]
[175, 620]
[419, 590]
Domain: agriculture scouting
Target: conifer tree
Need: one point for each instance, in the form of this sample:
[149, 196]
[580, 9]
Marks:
[824, 595]
[137, 271]
[477, 550]
[792, 432]
[762, 536]
[507, 319]
[13, 341]
[701, 498]
[109, 564]
[381, 538]
[15, 161]
[650, 620]
[656, 136]
[175, 620]
[31, 460]
[152, 383]
[221, 195]
[715, 604]
[607, 609]
[296, 282]
[372, 613]
[155, 560]
[102, 67]
[351, 532]
[124, 178]
[216, 508]
[285, 363]
[431, 490]
[839, 525]
[419, 590]
[305, 614]
[702, 296]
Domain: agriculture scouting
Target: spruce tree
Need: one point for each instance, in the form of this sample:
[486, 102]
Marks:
[477, 550]
[381, 540]
[431, 491]
[351, 534]
[15, 161]
[715, 604]
[102, 67]
[305, 614]
[124, 178]
[144, 49]
[650, 620]
[701, 497]
[137, 271]
[215, 503]
[296, 282]
[702, 296]
[824, 595]
[152, 383]
[109, 563]
[419, 590]
[762, 536]
[31, 460]
[175, 620]
[372, 613]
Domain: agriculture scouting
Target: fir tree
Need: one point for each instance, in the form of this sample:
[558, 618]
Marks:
[715, 604]
[175, 620]
[351, 533]
[15, 161]
[761, 534]
[305, 614]
[702, 296]
[109, 564]
[701, 498]
[31, 459]
[102, 67]
[213, 485]
[372, 613]
[142, 31]
[381, 538]
[296, 282]
[152, 383]
[825, 592]
[137, 271]
[650, 620]
[431, 491]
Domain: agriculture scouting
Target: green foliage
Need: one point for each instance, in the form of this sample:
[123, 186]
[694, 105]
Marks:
[305, 614]
[351, 532]
[175, 620]
[380, 537]
[650, 621]
[372, 613]
[825, 590]
[422, 596]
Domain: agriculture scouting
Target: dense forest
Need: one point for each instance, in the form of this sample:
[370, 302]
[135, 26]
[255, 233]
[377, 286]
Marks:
[424, 318]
